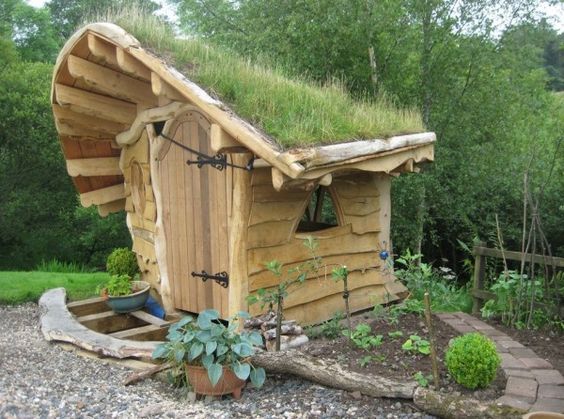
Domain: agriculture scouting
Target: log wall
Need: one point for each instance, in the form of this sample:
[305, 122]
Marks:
[363, 209]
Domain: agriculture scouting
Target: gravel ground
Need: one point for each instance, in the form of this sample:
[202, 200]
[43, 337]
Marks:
[39, 379]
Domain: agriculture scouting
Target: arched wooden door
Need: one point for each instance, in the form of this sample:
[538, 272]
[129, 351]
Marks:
[196, 208]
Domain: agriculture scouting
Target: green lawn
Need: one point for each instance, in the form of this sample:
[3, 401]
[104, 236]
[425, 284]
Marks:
[20, 287]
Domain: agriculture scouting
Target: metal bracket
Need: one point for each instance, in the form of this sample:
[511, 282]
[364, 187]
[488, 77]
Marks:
[219, 161]
[222, 278]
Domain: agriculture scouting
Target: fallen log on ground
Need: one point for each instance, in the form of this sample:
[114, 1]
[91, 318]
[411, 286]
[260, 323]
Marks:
[332, 374]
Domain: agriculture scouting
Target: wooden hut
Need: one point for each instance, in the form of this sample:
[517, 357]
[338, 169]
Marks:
[129, 124]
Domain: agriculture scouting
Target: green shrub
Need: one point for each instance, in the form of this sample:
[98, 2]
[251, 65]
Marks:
[122, 261]
[472, 360]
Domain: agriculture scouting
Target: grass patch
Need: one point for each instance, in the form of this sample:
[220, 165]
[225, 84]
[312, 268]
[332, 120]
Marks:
[295, 112]
[21, 287]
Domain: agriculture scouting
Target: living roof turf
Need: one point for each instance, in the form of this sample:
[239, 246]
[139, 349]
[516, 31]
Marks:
[294, 112]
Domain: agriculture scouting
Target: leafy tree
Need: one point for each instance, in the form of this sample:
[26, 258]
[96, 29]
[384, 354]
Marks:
[68, 15]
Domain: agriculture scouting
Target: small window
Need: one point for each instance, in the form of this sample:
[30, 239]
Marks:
[320, 213]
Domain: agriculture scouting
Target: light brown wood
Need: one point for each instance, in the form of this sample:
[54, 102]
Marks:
[262, 212]
[112, 83]
[148, 318]
[144, 248]
[86, 123]
[88, 306]
[315, 289]
[148, 332]
[338, 153]
[241, 208]
[108, 321]
[102, 52]
[101, 166]
[282, 182]
[58, 324]
[102, 196]
[333, 241]
[162, 88]
[355, 262]
[96, 105]
[221, 141]
[106, 209]
[323, 309]
[132, 66]
[271, 233]
[80, 133]
[148, 116]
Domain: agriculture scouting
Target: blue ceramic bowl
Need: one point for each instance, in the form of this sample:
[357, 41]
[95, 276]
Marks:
[131, 302]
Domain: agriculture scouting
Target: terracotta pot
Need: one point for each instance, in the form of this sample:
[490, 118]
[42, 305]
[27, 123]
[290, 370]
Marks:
[229, 383]
[543, 415]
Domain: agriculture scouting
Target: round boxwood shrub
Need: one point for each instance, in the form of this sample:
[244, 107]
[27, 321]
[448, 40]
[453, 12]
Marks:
[122, 261]
[472, 360]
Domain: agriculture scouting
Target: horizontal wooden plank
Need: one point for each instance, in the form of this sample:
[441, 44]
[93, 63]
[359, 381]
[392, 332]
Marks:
[315, 289]
[87, 122]
[116, 206]
[360, 205]
[111, 82]
[323, 309]
[149, 318]
[511, 255]
[149, 332]
[354, 262]
[268, 234]
[102, 166]
[88, 306]
[77, 132]
[364, 224]
[262, 212]
[108, 322]
[267, 193]
[102, 196]
[334, 241]
[99, 106]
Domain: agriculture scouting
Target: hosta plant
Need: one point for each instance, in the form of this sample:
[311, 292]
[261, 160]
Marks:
[206, 341]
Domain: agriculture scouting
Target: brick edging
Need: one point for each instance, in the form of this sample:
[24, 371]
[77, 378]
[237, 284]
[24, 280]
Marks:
[532, 383]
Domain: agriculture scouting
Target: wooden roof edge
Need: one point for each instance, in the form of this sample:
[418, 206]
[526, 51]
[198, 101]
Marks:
[343, 153]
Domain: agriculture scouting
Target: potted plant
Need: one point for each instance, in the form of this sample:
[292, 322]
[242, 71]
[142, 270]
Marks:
[216, 357]
[124, 295]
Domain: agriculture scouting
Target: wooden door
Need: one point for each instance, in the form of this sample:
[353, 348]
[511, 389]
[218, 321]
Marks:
[196, 209]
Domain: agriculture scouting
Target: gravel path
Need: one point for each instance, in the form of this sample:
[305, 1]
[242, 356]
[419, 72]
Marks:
[40, 379]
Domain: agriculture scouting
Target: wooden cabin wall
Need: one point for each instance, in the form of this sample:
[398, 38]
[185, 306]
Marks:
[362, 203]
[141, 208]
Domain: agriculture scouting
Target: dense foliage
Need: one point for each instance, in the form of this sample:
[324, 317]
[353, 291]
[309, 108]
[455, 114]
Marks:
[122, 261]
[472, 360]
[485, 84]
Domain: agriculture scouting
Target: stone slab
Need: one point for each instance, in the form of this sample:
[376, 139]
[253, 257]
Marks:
[509, 344]
[550, 391]
[548, 405]
[548, 376]
[518, 373]
[522, 353]
[509, 361]
[522, 388]
[514, 402]
[536, 362]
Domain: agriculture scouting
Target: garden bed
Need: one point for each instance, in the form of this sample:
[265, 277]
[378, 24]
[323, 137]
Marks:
[391, 361]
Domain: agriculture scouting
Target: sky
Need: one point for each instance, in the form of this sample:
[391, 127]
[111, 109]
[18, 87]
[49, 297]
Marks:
[554, 13]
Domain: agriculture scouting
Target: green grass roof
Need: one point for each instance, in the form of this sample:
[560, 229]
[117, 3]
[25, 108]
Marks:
[294, 112]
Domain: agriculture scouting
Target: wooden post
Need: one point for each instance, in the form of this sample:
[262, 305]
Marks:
[479, 273]
[435, 366]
